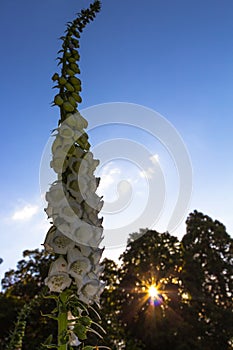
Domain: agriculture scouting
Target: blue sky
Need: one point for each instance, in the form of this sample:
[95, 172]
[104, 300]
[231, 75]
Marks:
[175, 57]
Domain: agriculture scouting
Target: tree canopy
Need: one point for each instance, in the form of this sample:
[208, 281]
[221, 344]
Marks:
[190, 307]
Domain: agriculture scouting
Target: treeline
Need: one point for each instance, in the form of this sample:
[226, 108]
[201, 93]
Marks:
[192, 309]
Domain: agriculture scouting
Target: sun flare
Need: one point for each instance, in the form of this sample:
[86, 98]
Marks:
[152, 291]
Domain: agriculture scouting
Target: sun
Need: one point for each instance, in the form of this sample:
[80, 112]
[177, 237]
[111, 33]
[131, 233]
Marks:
[152, 291]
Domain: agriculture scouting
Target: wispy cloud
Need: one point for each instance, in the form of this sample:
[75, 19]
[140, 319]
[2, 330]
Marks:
[154, 159]
[22, 228]
[149, 172]
[25, 213]
[109, 174]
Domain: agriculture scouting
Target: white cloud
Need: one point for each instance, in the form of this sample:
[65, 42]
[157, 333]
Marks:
[154, 159]
[108, 177]
[25, 213]
[148, 173]
[25, 228]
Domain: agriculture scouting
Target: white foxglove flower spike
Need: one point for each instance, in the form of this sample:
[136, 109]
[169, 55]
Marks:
[76, 231]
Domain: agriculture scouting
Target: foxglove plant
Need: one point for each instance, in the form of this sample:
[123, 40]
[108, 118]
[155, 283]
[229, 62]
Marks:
[73, 205]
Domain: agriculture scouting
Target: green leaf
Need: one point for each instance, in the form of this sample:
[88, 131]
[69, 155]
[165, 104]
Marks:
[54, 310]
[80, 331]
[49, 316]
[48, 340]
[52, 296]
[51, 346]
[65, 295]
[85, 320]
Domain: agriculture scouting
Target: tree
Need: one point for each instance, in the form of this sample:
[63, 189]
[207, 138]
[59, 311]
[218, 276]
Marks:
[191, 310]
[110, 305]
[152, 259]
[9, 308]
[24, 286]
[207, 277]
[194, 279]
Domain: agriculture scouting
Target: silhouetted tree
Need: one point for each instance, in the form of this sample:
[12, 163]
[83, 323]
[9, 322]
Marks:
[207, 277]
[151, 259]
[192, 308]
[20, 287]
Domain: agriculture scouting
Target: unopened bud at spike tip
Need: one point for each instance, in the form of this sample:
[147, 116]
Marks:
[68, 106]
[58, 100]
[55, 77]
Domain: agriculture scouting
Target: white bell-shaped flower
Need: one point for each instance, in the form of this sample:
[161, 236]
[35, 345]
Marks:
[59, 282]
[71, 120]
[76, 121]
[74, 164]
[56, 242]
[56, 195]
[94, 201]
[65, 131]
[57, 143]
[84, 167]
[89, 291]
[81, 122]
[73, 207]
[58, 278]
[84, 234]
[71, 212]
[59, 265]
[61, 153]
[96, 255]
[73, 187]
[59, 164]
[78, 265]
[73, 339]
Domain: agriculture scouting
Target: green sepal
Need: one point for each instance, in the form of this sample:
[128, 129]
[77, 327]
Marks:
[55, 77]
[51, 346]
[97, 314]
[52, 296]
[76, 97]
[75, 68]
[58, 100]
[65, 295]
[62, 80]
[85, 320]
[99, 326]
[49, 316]
[81, 331]
[71, 59]
[75, 81]
[54, 310]
[68, 106]
[48, 340]
[79, 304]
[72, 101]
[69, 87]
[75, 42]
[61, 60]
[95, 332]
[67, 54]
[70, 72]
[76, 33]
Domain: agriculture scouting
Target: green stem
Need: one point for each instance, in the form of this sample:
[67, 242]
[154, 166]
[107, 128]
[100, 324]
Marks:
[62, 326]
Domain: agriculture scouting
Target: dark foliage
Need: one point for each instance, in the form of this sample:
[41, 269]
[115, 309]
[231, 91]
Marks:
[193, 308]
